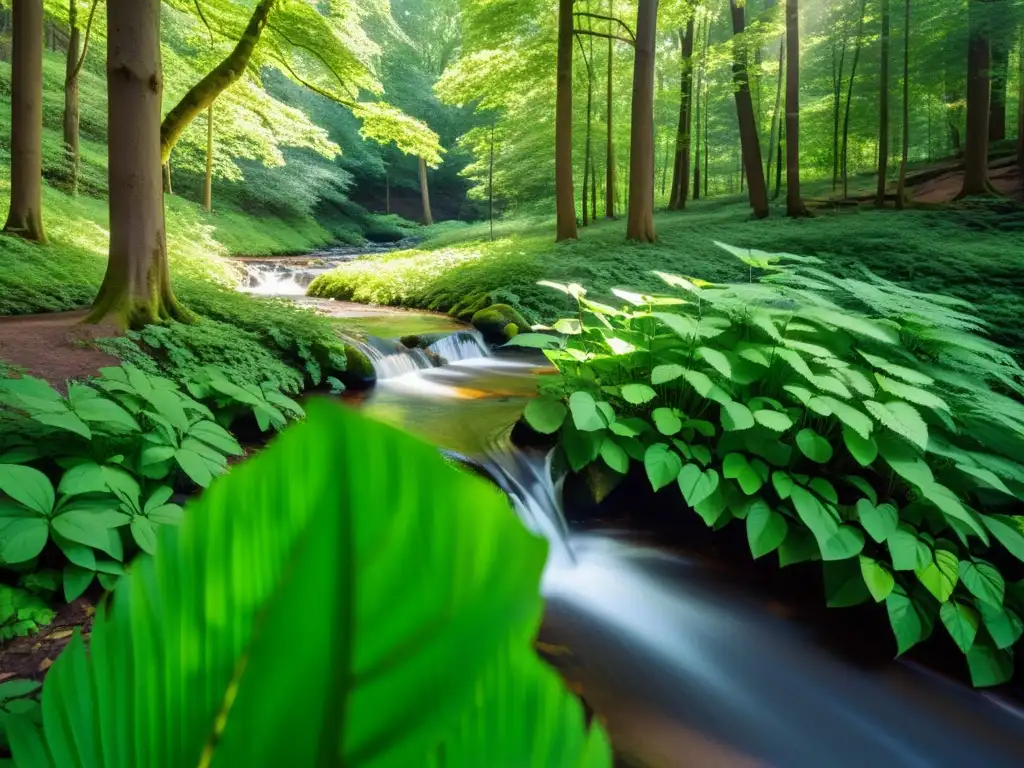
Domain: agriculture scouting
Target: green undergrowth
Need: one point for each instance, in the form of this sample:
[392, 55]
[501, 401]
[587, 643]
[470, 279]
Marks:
[973, 252]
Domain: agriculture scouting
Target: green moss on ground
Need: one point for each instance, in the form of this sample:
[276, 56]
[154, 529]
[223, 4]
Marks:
[974, 252]
[499, 323]
[359, 371]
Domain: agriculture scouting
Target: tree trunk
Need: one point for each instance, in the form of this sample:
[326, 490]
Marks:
[609, 183]
[837, 97]
[25, 217]
[978, 87]
[681, 176]
[203, 93]
[586, 153]
[778, 164]
[745, 114]
[707, 112]
[428, 217]
[794, 203]
[137, 288]
[776, 130]
[1020, 109]
[640, 219]
[490, 186]
[71, 113]
[565, 198]
[1000, 71]
[901, 189]
[387, 191]
[208, 181]
[883, 109]
[849, 99]
[697, 118]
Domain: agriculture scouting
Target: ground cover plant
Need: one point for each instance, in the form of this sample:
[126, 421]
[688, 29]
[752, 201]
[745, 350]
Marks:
[847, 420]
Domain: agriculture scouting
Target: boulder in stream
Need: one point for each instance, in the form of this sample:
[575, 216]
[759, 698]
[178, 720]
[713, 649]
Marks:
[499, 323]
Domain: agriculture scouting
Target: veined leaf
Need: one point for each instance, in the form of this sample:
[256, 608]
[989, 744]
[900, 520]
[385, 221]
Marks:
[910, 622]
[682, 325]
[662, 374]
[907, 551]
[911, 393]
[864, 451]
[902, 419]
[545, 415]
[585, 415]
[662, 465]
[962, 623]
[880, 582]
[984, 581]
[716, 360]
[773, 420]
[814, 446]
[637, 394]
[940, 576]
[908, 375]
[27, 486]
[880, 522]
[766, 529]
[614, 455]
[697, 485]
[1003, 625]
[667, 421]
[705, 387]
[989, 665]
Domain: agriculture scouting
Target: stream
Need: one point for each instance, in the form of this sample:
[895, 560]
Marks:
[682, 666]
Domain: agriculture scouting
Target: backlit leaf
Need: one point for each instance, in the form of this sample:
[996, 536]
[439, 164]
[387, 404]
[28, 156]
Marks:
[662, 465]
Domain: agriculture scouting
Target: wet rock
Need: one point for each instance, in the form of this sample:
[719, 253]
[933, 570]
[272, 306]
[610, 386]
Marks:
[359, 372]
[424, 340]
[499, 323]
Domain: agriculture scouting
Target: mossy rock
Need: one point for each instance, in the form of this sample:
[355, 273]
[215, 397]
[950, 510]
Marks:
[499, 323]
[469, 306]
[424, 340]
[359, 372]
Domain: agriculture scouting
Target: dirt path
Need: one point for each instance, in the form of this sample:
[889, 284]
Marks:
[55, 346]
[943, 189]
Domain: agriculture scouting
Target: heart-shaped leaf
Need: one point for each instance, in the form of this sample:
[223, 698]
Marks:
[961, 622]
[984, 581]
[696, 484]
[766, 529]
[880, 522]
[877, 577]
[814, 446]
[662, 465]
[941, 575]
[845, 543]
[585, 415]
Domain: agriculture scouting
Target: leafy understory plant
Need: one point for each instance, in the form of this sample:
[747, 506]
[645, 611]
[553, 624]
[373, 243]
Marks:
[184, 664]
[843, 420]
[88, 476]
[266, 402]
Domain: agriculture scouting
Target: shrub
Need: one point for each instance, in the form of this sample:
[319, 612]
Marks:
[851, 421]
[185, 664]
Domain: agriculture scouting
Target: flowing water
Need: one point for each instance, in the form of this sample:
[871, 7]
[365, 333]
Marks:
[685, 668]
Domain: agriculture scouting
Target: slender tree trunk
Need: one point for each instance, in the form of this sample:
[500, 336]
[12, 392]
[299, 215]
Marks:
[208, 181]
[586, 152]
[387, 191]
[778, 164]
[168, 186]
[1020, 108]
[707, 112]
[203, 93]
[883, 109]
[776, 130]
[137, 288]
[71, 110]
[681, 176]
[837, 94]
[565, 198]
[490, 185]
[26, 212]
[794, 202]
[745, 115]
[609, 183]
[1000, 70]
[593, 189]
[901, 189]
[849, 99]
[697, 123]
[978, 87]
[428, 217]
[640, 219]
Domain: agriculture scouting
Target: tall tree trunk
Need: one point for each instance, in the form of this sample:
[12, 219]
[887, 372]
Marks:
[794, 202]
[681, 175]
[745, 116]
[137, 288]
[883, 109]
[26, 212]
[849, 99]
[428, 216]
[697, 118]
[586, 152]
[778, 164]
[901, 189]
[640, 218]
[776, 129]
[208, 181]
[707, 112]
[203, 93]
[609, 183]
[978, 94]
[490, 185]
[837, 98]
[1000, 70]
[387, 190]
[1020, 108]
[71, 110]
[565, 198]
[593, 189]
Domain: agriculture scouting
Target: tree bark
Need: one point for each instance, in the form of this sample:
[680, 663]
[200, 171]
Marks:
[901, 189]
[640, 218]
[837, 97]
[1000, 69]
[978, 94]
[565, 198]
[609, 183]
[136, 290]
[794, 202]
[695, 96]
[681, 175]
[208, 180]
[751, 148]
[71, 110]
[776, 129]
[593, 189]
[428, 217]
[849, 99]
[25, 217]
[203, 93]
[586, 153]
[490, 186]
[883, 109]
[1020, 109]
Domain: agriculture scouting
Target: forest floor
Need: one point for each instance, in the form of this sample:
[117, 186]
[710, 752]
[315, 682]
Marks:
[973, 249]
[56, 346]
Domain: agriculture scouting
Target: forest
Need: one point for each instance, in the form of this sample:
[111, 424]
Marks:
[525, 383]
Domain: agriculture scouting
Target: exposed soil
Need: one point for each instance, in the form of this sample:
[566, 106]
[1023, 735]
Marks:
[55, 346]
[1006, 180]
[31, 657]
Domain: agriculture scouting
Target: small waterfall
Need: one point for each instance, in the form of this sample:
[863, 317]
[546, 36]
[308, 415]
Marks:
[392, 359]
[275, 280]
[461, 345]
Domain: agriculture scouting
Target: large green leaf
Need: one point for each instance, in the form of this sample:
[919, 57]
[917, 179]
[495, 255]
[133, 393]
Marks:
[585, 415]
[391, 667]
[27, 486]
[902, 418]
[766, 529]
[545, 415]
[814, 446]
[662, 465]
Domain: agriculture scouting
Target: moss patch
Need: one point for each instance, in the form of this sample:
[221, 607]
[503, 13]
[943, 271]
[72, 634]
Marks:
[359, 372]
[499, 323]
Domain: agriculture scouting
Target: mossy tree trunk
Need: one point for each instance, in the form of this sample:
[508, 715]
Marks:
[71, 112]
[640, 215]
[1020, 108]
[428, 216]
[883, 108]
[203, 93]
[681, 171]
[751, 146]
[1000, 72]
[978, 92]
[794, 202]
[25, 217]
[565, 198]
[136, 290]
